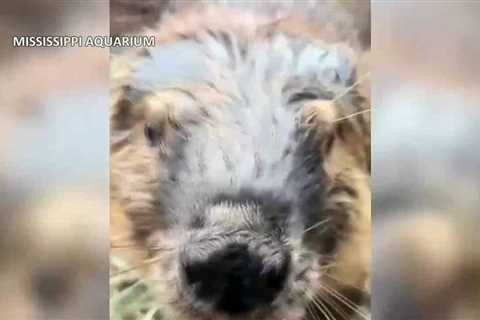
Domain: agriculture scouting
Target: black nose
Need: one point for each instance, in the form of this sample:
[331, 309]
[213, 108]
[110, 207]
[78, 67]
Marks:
[236, 280]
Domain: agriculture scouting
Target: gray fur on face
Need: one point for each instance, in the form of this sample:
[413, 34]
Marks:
[241, 160]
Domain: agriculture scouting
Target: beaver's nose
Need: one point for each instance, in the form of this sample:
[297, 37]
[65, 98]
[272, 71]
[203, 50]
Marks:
[236, 280]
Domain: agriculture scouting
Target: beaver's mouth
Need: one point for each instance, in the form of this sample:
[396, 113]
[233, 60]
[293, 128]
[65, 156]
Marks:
[283, 312]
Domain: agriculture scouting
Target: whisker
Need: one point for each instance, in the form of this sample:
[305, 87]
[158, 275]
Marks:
[338, 294]
[359, 81]
[333, 304]
[352, 115]
[350, 305]
[319, 307]
[311, 312]
[316, 225]
[341, 95]
[328, 266]
[316, 300]
[343, 282]
[347, 302]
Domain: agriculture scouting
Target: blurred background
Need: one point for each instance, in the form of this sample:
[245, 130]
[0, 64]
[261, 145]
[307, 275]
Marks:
[53, 164]
[426, 160]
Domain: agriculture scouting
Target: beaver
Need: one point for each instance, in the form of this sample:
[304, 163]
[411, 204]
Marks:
[240, 157]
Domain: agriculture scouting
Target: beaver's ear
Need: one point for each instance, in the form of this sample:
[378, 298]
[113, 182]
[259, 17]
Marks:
[343, 125]
[345, 108]
[351, 103]
[331, 101]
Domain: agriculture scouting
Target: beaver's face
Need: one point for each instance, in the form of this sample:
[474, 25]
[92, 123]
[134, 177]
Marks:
[227, 163]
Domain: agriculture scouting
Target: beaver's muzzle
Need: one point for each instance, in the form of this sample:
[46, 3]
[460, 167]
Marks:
[235, 276]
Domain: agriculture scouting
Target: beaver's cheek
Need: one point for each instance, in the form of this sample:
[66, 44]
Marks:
[293, 313]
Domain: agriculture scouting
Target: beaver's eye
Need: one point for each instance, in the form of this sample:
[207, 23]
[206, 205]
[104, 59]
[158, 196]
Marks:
[150, 133]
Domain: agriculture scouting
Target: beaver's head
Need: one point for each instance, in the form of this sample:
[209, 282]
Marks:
[242, 162]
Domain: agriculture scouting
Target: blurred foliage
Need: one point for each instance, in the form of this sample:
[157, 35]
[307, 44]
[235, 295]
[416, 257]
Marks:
[131, 298]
